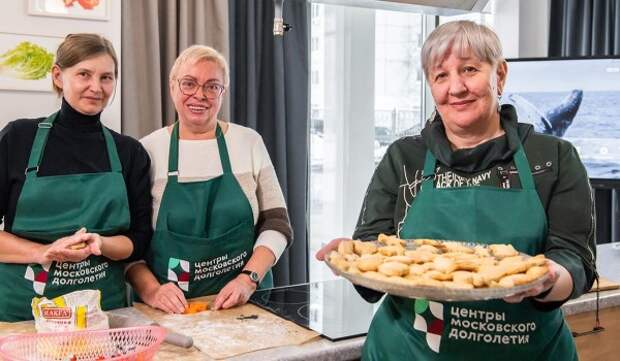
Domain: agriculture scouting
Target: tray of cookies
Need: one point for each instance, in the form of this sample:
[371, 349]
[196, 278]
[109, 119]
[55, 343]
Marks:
[437, 269]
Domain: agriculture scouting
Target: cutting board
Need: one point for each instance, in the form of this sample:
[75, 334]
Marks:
[605, 285]
[227, 333]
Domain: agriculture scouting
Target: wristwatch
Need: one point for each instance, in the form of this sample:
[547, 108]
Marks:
[253, 276]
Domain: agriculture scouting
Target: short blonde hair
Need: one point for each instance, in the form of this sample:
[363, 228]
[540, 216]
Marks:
[196, 53]
[460, 37]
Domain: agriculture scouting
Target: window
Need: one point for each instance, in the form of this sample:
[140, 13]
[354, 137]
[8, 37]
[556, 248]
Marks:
[315, 77]
[314, 44]
[366, 91]
[315, 10]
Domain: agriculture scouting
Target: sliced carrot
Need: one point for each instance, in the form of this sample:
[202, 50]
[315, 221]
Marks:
[196, 306]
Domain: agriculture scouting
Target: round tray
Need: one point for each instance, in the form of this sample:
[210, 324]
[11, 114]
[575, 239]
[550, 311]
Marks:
[435, 293]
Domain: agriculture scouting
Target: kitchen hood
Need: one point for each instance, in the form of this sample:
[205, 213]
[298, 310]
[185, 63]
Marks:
[429, 7]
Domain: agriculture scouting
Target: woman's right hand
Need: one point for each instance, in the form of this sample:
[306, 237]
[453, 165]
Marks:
[332, 245]
[71, 248]
[167, 297]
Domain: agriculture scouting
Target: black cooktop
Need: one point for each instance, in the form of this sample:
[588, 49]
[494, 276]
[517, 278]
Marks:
[332, 308]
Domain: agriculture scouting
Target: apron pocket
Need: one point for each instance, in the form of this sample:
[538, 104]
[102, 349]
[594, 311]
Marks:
[237, 231]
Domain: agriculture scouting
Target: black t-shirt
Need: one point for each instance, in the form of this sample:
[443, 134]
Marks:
[76, 145]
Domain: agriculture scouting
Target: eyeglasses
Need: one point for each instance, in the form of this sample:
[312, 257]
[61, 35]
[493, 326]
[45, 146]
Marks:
[210, 90]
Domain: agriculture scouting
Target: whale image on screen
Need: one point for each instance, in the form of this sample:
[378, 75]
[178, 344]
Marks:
[575, 99]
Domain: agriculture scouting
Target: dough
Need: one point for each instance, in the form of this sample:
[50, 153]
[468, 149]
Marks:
[435, 263]
[394, 269]
[366, 264]
[345, 247]
[392, 250]
[362, 248]
[503, 250]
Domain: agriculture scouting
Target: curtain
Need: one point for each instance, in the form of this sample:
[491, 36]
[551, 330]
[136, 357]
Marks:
[153, 35]
[590, 28]
[584, 28]
[270, 93]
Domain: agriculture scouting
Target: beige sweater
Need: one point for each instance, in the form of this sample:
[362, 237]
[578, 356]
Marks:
[251, 165]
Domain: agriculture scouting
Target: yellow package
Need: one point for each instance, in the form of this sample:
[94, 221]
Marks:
[77, 310]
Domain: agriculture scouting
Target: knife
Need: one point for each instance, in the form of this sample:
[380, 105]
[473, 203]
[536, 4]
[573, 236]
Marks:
[131, 317]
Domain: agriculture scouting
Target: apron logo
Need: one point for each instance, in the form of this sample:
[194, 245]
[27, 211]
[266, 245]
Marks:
[178, 271]
[37, 274]
[429, 319]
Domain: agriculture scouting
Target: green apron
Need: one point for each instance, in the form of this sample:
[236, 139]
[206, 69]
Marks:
[52, 207]
[424, 330]
[204, 233]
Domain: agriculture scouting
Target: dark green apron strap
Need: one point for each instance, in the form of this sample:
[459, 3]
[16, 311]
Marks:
[40, 138]
[173, 155]
[523, 167]
[115, 162]
[428, 175]
[223, 150]
[520, 159]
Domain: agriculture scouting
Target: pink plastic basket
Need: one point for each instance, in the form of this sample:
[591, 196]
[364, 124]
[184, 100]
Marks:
[126, 344]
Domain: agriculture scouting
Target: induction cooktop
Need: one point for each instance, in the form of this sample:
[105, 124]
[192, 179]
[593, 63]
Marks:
[332, 308]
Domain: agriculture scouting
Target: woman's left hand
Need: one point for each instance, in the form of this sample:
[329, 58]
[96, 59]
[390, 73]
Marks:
[95, 243]
[552, 278]
[236, 292]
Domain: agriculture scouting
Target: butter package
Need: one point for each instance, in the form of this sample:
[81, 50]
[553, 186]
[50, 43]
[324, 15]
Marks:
[77, 310]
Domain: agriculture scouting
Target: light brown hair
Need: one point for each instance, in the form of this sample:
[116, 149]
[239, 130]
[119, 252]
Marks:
[79, 47]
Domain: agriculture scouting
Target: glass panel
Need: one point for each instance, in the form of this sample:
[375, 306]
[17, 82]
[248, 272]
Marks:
[485, 17]
[365, 93]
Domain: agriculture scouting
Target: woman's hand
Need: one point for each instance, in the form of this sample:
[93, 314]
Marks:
[167, 297]
[555, 272]
[332, 245]
[236, 292]
[94, 243]
[72, 248]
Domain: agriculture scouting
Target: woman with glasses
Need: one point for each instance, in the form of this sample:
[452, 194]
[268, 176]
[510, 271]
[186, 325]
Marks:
[219, 215]
[74, 195]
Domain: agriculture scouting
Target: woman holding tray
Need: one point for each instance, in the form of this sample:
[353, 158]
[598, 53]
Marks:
[476, 174]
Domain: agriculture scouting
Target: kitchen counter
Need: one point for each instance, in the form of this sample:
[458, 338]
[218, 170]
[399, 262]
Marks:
[350, 349]
[608, 262]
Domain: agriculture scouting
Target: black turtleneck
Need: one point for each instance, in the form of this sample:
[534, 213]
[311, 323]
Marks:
[76, 145]
[482, 156]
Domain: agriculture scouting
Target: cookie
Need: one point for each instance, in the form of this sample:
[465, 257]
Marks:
[401, 259]
[393, 269]
[362, 248]
[503, 250]
[392, 250]
[345, 247]
[369, 263]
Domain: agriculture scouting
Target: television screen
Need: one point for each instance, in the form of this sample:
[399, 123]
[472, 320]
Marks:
[577, 99]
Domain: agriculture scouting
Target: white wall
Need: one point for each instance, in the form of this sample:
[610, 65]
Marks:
[26, 104]
[523, 27]
[534, 28]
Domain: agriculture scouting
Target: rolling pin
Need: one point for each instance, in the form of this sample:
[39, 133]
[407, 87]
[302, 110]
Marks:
[130, 317]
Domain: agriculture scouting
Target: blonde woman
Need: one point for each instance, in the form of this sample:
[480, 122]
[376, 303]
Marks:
[219, 215]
